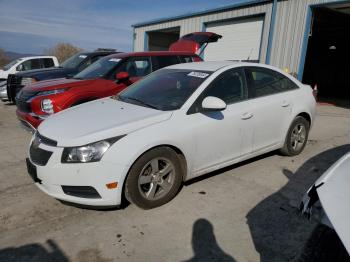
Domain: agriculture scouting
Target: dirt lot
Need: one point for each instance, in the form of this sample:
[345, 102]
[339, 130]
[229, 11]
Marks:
[246, 212]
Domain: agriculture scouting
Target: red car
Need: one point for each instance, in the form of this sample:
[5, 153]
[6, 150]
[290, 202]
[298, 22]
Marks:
[108, 76]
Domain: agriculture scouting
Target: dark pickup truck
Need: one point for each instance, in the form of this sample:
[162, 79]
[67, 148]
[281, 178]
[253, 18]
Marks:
[69, 68]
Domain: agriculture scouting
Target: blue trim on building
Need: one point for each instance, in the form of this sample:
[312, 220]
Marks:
[220, 9]
[133, 40]
[305, 43]
[145, 42]
[340, 2]
[271, 32]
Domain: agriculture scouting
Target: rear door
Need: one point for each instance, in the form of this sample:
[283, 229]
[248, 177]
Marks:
[194, 42]
[271, 105]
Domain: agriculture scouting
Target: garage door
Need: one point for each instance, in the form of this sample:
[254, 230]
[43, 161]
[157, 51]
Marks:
[241, 40]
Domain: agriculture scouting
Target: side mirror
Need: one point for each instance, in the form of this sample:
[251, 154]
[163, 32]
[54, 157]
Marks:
[19, 67]
[121, 76]
[211, 103]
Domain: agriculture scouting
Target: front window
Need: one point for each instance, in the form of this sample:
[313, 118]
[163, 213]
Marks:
[99, 69]
[164, 90]
[74, 61]
[8, 66]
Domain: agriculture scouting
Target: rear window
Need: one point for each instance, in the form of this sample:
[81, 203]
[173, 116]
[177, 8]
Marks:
[164, 61]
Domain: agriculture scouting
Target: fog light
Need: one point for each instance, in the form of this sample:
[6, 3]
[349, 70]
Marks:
[47, 106]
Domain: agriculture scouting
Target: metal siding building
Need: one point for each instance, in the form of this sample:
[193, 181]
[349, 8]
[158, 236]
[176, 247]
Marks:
[283, 41]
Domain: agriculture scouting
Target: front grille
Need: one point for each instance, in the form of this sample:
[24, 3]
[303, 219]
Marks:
[23, 106]
[45, 140]
[81, 191]
[13, 86]
[39, 156]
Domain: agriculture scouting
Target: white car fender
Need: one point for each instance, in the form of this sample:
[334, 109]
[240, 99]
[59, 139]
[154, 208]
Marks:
[134, 145]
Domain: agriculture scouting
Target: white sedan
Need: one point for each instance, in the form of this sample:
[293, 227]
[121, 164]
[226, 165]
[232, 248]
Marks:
[332, 190]
[176, 124]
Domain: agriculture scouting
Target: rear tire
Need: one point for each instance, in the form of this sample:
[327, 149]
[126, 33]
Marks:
[296, 138]
[154, 179]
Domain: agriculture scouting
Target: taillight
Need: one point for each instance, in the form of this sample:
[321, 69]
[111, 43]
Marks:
[315, 91]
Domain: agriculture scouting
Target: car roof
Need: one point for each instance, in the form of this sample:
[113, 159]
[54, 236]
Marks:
[216, 65]
[204, 66]
[36, 57]
[150, 53]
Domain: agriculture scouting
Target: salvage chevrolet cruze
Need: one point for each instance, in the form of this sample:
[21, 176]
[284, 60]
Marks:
[176, 124]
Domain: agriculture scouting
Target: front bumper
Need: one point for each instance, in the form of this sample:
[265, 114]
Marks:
[54, 175]
[28, 120]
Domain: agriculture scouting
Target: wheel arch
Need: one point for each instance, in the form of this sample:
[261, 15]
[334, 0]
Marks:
[305, 115]
[178, 151]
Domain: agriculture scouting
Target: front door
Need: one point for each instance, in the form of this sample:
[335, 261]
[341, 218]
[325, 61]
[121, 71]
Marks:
[222, 136]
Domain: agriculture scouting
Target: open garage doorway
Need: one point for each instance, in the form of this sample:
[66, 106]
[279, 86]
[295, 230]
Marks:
[328, 53]
[160, 40]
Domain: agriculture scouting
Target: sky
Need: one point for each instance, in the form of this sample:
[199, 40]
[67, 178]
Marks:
[31, 26]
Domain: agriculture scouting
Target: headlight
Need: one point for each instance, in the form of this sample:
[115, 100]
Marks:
[27, 81]
[3, 84]
[89, 153]
[47, 106]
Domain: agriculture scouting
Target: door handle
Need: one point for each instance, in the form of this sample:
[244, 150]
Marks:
[285, 103]
[246, 116]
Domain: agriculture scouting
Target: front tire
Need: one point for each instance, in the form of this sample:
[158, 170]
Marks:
[154, 179]
[296, 137]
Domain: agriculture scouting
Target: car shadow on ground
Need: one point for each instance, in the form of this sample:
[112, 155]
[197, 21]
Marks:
[278, 231]
[34, 253]
[204, 244]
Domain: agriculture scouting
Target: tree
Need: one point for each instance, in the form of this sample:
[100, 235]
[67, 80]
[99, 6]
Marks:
[3, 58]
[63, 51]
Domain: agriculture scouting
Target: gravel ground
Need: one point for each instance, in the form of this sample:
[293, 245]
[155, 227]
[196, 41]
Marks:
[247, 212]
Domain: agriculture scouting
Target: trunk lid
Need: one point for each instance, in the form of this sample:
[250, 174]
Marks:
[194, 42]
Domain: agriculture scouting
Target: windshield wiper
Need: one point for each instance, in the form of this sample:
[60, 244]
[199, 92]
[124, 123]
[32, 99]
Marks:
[122, 98]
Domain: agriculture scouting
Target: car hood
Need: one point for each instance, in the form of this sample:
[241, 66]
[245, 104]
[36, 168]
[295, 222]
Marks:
[98, 120]
[47, 73]
[333, 189]
[57, 84]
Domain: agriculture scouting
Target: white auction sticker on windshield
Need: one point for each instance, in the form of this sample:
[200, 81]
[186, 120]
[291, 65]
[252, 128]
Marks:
[82, 56]
[198, 74]
[116, 60]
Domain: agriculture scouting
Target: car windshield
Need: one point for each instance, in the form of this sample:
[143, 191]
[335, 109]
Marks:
[9, 65]
[99, 69]
[165, 90]
[74, 61]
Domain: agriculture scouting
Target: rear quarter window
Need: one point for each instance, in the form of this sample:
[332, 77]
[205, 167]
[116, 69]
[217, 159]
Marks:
[186, 59]
[47, 62]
